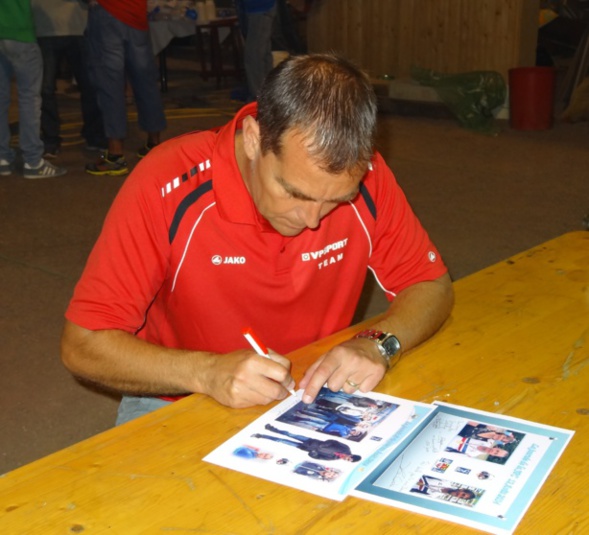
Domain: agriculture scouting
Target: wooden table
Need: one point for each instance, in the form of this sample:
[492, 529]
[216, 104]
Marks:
[517, 343]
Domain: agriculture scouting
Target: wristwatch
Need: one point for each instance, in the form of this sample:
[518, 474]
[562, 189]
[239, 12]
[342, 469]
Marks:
[388, 344]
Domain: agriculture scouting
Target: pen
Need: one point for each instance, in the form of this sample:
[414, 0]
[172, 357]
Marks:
[259, 348]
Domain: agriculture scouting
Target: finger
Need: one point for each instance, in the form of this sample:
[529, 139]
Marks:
[350, 386]
[247, 394]
[310, 371]
[267, 390]
[282, 375]
[257, 381]
[277, 368]
[276, 357]
[319, 377]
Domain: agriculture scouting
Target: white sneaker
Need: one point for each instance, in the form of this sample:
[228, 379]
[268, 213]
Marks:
[5, 167]
[45, 170]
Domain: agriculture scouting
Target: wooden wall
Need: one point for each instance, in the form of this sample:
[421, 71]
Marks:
[450, 36]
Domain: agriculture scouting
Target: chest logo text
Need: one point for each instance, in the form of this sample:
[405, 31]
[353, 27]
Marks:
[217, 260]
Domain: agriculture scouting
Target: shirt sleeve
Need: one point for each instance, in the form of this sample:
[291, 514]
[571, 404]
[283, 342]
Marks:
[403, 253]
[129, 261]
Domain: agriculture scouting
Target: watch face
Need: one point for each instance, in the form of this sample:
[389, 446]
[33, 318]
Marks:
[391, 345]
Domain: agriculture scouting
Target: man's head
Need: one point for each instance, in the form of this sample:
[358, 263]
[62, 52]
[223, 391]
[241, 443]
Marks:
[312, 141]
[326, 99]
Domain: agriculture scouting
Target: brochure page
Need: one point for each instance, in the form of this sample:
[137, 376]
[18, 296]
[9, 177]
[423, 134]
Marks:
[471, 467]
[324, 447]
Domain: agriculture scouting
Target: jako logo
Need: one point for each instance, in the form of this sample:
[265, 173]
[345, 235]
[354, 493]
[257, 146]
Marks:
[217, 260]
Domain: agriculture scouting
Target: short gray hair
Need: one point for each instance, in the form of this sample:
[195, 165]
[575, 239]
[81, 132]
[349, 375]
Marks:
[326, 98]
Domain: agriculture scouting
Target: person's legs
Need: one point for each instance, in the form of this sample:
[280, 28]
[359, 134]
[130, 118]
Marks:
[27, 65]
[258, 49]
[28, 71]
[132, 407]
[285, 35]
[106, 59]
[6, 152]
[105, 39]
[50, 122]
[142, 72]
[92, 125]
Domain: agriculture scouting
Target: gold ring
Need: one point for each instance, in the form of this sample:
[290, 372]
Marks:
[352, 383]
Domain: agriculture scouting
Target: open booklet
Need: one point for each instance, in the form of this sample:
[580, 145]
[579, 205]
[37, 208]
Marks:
[471, 467]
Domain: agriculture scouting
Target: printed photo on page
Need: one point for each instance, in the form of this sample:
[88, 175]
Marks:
[475, 468]
[318, 447]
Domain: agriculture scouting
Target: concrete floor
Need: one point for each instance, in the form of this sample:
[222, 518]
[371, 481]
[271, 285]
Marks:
[482, 199]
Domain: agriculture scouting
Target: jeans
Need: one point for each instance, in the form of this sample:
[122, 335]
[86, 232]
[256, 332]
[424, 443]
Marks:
[24, 61]
[117, 51]
[73, 47]
[257, 52]
[132, 407]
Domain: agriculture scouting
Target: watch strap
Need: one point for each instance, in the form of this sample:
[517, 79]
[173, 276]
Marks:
[388, 344]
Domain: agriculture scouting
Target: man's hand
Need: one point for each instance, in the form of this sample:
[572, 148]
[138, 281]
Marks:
[415, 314]
[243, 378]
[121, 361]
[353, 365]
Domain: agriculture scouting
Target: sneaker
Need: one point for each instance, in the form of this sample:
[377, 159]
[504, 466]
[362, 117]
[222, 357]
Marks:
[45, 170]
[106, 166]
[5, 168]
[144, 150]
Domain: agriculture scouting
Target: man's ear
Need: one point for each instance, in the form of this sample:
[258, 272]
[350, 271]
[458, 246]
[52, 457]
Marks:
[251, 137]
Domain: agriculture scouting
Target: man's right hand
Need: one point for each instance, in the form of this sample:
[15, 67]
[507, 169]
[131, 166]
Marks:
[120, 361]
[243, 378]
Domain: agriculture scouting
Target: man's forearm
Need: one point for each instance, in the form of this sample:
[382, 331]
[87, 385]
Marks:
[120, 361]
[419, 311]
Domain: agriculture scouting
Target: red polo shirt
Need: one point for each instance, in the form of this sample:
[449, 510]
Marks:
[185, 260]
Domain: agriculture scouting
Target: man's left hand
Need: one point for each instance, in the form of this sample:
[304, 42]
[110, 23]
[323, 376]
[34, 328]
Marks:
[355, 364]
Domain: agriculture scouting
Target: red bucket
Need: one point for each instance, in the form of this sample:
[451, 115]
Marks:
[531, 98]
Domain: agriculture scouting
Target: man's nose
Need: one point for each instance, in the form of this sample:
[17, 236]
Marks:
[312, 214]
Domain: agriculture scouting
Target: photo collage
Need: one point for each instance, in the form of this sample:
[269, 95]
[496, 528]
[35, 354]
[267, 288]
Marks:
[321, 442]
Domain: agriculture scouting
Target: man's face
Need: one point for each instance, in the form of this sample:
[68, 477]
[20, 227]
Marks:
[291, 191]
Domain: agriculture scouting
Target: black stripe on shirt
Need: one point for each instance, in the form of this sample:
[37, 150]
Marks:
[368, 199]
[188, 201]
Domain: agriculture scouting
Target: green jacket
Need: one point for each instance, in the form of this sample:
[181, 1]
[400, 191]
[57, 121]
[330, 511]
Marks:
[16, 21]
